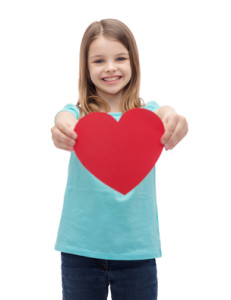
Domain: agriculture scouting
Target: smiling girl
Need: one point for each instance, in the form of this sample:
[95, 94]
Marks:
[106, 238]
[110, 70]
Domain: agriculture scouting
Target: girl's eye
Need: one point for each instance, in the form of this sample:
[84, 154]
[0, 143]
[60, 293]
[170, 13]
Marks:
[120, 58]
[99, 61]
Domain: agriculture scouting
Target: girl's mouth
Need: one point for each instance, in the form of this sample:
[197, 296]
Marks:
[112, 78]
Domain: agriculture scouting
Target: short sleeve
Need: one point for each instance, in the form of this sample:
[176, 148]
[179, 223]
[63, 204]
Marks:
[70, 108]
[152, 105]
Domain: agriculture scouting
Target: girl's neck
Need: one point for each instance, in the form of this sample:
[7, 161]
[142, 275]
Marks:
[113, 101]
[114, 111]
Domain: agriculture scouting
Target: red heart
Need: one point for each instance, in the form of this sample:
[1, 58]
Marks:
[120, 154]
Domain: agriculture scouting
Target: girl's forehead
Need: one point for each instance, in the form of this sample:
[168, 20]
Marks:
[106, 45]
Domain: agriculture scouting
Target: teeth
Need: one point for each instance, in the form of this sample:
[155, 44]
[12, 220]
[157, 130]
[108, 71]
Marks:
[111, 78]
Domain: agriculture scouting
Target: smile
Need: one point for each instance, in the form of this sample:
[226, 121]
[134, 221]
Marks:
[111, 79]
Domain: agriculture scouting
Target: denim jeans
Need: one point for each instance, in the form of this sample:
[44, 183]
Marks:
[85, 278]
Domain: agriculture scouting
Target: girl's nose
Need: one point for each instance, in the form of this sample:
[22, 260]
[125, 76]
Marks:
[111, 67]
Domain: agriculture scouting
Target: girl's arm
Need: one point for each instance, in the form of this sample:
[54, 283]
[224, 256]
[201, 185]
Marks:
[176, 126]
[63, 133]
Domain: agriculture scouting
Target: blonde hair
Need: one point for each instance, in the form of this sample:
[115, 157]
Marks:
[89, 101]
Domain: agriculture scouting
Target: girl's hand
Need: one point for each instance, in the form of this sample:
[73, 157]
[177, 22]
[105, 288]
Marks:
[63, 134]
[176, 127]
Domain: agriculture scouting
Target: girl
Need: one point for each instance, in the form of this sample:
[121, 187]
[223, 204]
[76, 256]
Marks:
[105, 237]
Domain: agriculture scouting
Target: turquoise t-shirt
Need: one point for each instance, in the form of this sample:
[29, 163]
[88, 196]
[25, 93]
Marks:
[99, 222]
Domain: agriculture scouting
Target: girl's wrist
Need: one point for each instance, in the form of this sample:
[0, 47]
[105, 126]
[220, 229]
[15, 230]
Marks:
[164, 111]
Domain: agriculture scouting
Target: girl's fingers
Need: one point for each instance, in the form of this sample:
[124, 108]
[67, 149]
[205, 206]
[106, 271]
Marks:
[66, 129]
[170, 125]
[167, 136]
[175, 138]
[64, 147]
[63, 134]
[61, 140]
[179, 133]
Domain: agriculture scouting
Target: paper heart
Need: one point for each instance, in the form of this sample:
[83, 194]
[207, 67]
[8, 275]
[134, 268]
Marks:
[120, 154]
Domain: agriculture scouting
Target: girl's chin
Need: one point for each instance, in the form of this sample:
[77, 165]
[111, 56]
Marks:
[109, 93]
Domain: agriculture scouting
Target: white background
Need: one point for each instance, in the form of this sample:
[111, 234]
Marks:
[185, 59]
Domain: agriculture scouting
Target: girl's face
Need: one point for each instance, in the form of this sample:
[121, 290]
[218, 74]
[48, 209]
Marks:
[109, 67]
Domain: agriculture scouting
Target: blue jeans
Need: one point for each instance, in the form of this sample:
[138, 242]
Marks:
[85, 278]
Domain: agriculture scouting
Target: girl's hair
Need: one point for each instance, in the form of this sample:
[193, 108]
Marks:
[89, 101]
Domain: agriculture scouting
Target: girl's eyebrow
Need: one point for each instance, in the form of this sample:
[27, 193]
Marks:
[95, 56]
[122, 53]
[119, 54]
